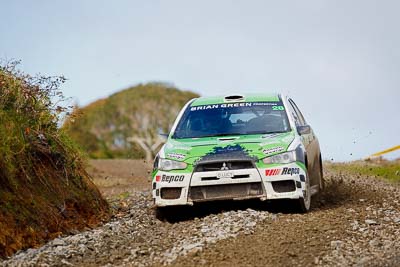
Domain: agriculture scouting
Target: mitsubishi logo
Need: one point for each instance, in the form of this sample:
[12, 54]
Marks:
[224, 167]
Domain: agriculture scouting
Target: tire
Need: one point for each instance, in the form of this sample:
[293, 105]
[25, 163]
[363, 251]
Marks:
[304, 203]
[161, 213]
[321, 175]
[169, 213]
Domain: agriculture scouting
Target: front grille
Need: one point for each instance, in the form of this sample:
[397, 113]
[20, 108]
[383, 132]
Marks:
[237, 176]
[171, 192]
[284, 186]
[224, 165]
[226, 191]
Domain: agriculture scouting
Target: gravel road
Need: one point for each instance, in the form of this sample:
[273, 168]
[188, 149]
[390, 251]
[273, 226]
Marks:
[356, 222]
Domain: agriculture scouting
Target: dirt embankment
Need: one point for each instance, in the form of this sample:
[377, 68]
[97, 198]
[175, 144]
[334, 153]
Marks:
[45, 190]
[356, 222]
[46, 206]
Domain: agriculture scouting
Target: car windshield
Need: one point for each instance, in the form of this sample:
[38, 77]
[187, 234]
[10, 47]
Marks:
[232, 119]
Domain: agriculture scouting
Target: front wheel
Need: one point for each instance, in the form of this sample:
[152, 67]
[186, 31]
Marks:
[304, 203]
[161, 213]
[169, 213]
[321, 175]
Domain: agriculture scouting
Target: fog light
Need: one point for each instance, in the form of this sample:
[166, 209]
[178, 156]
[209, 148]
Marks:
[171, 192]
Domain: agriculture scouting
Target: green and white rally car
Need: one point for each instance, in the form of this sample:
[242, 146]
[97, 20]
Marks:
[238, 147]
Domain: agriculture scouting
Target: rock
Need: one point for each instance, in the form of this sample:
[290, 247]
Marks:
[203, 262]
[354, 225]
[363, 261]
[337, 244]
[204, 230]
[371, 222]
[58, 242]
[374, 243]
[66, 263]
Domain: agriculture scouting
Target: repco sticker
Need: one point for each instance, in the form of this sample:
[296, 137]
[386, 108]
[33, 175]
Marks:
[170, 178]
[291, 171]
[284, 171]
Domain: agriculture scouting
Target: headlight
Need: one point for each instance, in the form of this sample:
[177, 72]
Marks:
[168, 165]
[286, 157]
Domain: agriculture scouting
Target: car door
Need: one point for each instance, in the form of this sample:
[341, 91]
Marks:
[300, 121]
[308, 139]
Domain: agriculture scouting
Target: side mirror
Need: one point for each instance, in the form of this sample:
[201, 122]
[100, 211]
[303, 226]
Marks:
[305, 129]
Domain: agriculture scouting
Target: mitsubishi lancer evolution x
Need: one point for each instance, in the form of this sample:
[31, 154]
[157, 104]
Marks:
[238, 147]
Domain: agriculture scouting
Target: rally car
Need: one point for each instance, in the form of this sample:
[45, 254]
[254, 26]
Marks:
[238, 147]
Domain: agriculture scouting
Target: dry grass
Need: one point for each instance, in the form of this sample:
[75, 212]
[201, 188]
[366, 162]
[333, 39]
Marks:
[379, 167]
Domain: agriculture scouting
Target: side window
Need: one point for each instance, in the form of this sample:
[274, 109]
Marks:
[294, 114]
[297, 114]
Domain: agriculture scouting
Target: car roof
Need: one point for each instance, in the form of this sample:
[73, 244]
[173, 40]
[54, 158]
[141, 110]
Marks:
[234, 98]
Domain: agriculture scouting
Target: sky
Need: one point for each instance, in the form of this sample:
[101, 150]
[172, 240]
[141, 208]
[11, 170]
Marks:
[339, 60]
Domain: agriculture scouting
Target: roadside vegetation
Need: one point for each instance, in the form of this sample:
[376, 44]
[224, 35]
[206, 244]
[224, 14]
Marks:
[45, 190]
[126, 124]
[380, 168]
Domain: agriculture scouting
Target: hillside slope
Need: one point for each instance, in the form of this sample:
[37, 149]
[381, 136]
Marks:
[45, 190]
[121, 125]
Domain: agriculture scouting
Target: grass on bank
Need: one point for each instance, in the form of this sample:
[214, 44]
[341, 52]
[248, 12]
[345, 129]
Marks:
[381, 168]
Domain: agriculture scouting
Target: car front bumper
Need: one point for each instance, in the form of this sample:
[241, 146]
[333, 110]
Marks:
[279, 182]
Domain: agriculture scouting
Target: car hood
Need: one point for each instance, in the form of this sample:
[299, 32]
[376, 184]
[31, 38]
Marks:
[256, 147]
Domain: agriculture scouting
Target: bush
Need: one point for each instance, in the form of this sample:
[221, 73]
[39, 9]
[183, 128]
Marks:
[29, 122]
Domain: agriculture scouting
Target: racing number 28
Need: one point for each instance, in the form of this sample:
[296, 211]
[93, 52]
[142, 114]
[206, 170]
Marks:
[278, 108]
